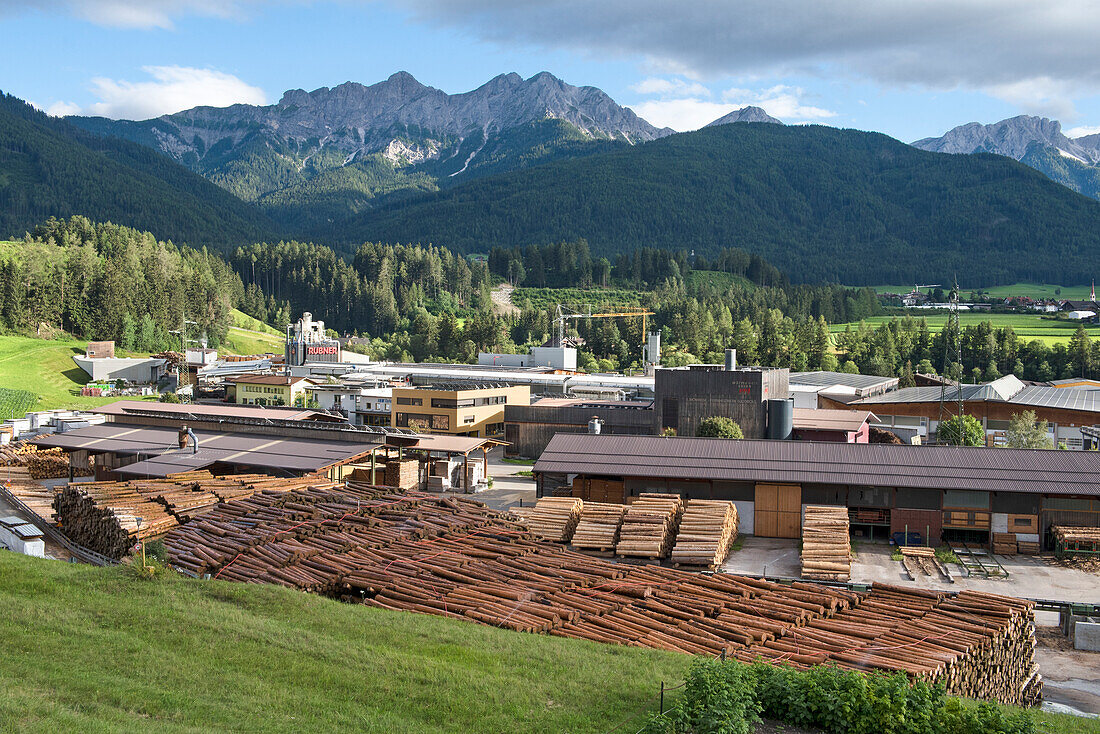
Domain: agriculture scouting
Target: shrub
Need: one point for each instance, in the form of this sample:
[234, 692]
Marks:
[718, 427]
[718, 697]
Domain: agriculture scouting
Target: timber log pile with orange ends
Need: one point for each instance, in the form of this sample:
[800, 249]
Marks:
[104, 516]
[41, 463]
[553, 518]
[598, 529]
[649, 526]
[826, 545]
[707, 530]
[454, 557]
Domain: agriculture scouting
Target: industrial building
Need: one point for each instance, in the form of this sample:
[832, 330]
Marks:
[157, 440]
[809, 388]
[529, 428]
[137, 370]
[1066, 409]
[941, 492]
[458, 409]
[307, 342]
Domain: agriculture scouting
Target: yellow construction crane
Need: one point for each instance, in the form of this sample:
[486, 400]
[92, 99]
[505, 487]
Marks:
[565, 314]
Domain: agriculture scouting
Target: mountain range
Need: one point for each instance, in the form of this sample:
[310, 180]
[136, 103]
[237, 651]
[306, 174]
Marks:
[1035, 141]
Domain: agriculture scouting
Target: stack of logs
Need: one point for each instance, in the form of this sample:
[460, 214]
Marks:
[109, 517]
[826, 546]
[17, 481]
[42, 463]
[454, 557]
[707, 530]
[1004, 544]
[649, 526]
[920, 561]
[553, 518]
[1071, 538]
[598, 529]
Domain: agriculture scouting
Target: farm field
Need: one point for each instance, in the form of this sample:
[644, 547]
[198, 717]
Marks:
[90, 649]
[1026, 326]
[45, 368]
[1031, 290]
[251, 336]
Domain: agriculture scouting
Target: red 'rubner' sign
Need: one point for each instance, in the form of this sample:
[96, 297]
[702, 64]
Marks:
[322, 350]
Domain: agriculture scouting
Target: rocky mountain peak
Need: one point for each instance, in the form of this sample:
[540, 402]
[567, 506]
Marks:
[746, 114]
[1012, 137]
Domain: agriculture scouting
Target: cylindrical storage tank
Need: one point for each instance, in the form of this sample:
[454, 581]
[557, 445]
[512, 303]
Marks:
[780, 419]
[595, 425]
[731, 360]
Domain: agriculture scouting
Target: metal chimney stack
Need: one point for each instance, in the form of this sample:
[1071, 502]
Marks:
[731, 360]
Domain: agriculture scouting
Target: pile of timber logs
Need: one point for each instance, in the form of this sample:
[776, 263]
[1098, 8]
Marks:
[15, 453]
[923, 562]
[553, 518]
[110, 517]
[649, 526]
[454, 557]
[598, 529]
[17, 480]
[1071, 538]
[707, 530]
[1004, 544]
[42, 463]
[826, 546]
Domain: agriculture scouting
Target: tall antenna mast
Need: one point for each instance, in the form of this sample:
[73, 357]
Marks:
[952, 354]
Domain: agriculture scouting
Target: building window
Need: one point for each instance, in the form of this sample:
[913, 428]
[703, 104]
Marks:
[441, 423]
[468, 419]
[410, 401]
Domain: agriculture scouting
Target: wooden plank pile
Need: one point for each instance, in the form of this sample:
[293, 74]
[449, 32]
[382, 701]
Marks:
[553, 518]
[453, 557]
[1027, 547]
[919, 561]
[104, 516]
[826, 545]
[649, 526]
[598, 529]
[1004, 544]
[17, 480]
[707, 530]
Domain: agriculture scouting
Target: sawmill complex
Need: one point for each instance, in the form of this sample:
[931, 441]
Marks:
[943, 492]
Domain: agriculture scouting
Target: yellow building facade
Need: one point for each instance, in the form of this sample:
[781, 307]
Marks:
[271, 390]
[456, 410]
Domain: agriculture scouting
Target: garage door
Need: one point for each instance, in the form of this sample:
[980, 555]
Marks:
[778, 510]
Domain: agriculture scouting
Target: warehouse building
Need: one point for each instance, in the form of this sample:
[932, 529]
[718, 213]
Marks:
[941, 492]
[810, 388]
[1066, 409]
[529, 428]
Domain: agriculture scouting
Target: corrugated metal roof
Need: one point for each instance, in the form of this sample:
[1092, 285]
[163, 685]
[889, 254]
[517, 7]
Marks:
[876, 465]
[824, 379]
[196, 411]
[831, 420]
[1069, 398]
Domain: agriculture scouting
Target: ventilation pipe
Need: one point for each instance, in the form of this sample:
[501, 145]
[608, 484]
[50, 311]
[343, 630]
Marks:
[731, 360]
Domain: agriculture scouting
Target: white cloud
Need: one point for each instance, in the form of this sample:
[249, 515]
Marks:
[132, 13]
[670, 88]
[681, 114]
[60, 109]
[1042, 96]
[1082, 131]
[173, 88]
[995, 46]
[779, 101]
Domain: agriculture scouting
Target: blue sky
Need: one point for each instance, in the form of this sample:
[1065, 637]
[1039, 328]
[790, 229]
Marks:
[870, 65]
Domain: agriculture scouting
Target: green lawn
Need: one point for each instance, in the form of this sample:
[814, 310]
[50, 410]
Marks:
[250, 336]
[716, 278]
[1026, 326]
[46, 368]
[1032, 290]
[89, 649]
[600, 299]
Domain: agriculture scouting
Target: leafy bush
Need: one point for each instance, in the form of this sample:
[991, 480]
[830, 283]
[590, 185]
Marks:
[718, 427]
[730, 697]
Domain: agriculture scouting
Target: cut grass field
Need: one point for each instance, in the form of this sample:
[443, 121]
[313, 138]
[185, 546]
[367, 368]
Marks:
[251, 336]
[89, 649]
[1031, 290]
[1026, 326]
[45, 367]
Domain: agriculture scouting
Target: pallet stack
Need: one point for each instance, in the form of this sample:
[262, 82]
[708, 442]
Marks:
[598, 529]
[707, 530]
[1027, 548]
[1004, 544]
[456, 558]
[553, 518]
[826, 545]
[649, 526]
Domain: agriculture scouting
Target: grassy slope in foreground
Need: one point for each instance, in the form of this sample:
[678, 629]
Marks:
[251, 336]
[88, 649]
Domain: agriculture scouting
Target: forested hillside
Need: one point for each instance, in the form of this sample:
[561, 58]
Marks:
[822, 204]
[49, 168]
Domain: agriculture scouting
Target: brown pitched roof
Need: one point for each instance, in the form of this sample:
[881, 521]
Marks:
[268, 379]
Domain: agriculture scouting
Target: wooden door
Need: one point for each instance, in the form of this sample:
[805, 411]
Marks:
[777, 511]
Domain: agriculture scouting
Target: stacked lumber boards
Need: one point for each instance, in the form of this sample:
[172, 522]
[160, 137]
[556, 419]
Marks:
[1027, 547]
[17, 480]
[707, 530]
[920, 561]
[453, 557]
[826, 545]
[553, 518]
[978, 645]
[109, 517]
[1004, 544]
[649, 526]
[598, 529]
